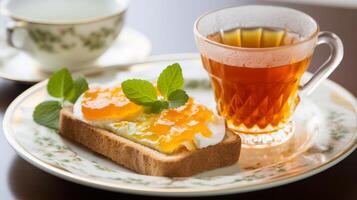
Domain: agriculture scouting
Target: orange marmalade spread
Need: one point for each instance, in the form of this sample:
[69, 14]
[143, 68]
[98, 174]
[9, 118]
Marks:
[108, 104]
[167, 131]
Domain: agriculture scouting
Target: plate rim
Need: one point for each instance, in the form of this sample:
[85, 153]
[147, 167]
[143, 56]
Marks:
[204, 191]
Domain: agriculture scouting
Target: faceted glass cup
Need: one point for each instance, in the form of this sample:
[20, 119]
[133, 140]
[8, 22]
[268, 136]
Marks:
[257, 89]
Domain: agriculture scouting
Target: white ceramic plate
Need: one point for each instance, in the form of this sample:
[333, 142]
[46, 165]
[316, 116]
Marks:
[130, 46]
[325, 133]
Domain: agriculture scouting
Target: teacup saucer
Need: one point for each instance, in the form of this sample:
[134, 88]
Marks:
[17, 66]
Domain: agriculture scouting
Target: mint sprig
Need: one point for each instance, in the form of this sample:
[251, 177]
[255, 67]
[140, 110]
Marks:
[47, 114]
[170, 79]
[79, 86]
[170, 84]
[141, 92]
[61, 86]
[158, 106]
[177, 98]
[64, 88]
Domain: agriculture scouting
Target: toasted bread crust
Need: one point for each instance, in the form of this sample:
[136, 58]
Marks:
[145, 160]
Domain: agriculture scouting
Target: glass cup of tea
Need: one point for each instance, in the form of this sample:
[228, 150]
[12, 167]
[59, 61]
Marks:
[255, 56]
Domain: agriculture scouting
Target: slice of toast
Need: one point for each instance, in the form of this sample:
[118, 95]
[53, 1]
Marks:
[145, 160]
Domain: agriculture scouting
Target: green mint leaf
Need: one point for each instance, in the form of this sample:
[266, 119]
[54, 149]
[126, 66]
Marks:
[80, 85]
[47, 114]
[177, 98]
[60, 83]
[139, 91]
[158, 106]
[170, 80]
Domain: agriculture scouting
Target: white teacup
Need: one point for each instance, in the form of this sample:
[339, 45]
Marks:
[63, 33]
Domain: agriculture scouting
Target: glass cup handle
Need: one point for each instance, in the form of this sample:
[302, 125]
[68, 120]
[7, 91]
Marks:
[336, 54]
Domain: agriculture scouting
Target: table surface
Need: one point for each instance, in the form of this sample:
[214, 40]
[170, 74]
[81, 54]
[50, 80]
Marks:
[169, 26]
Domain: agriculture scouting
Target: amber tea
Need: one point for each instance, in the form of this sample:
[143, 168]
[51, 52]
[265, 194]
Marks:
[255, 98]
[255, 37]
